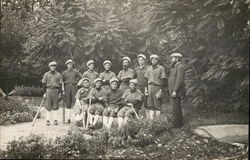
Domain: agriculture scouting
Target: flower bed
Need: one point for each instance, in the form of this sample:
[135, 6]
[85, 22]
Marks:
[12, 111]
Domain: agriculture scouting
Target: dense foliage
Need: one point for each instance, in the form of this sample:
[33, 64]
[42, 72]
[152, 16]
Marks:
[13, 111]
[28, 91]
[211, 34]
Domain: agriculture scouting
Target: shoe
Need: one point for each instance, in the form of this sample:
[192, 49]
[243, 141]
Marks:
[48, 123]
[55, 122]
[68, 121]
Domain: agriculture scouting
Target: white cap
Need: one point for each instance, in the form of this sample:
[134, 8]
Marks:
[82, 80]
[141, 55]
[97, 79]
[133, 81]
[69, 61]
[53, 63]
[126, 58]
[154, 56]
[176, 55]
[107, 61]
[90, 62]
[113, 80]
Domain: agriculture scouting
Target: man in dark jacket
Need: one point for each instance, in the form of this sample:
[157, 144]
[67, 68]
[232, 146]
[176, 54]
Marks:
[176, 87]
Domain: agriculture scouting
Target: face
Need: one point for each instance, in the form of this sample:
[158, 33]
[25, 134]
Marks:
[91, 66]
[154, 61]
[107, 66]
[70, 65]
[114, 85]
[98, 84]
[125, 63]
[141, 61]
[52, 68]
[85, 84]
[173, 61]
[132, 86]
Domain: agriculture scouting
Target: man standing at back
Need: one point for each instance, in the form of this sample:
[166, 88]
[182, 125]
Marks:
[107, 75]
[70, 77]
[91, 74]
[142, 81]
[126, 74]
[176, 87]
[155, 75]
[52, 81]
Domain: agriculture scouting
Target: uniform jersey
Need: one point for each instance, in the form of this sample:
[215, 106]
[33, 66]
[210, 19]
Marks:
[155, 74]
[140, 72]
[130, 73]
[132, 96]
[83, 93]
[114, 97]
[97, 93]
[71, 76]
[52, 79]
[91, 75]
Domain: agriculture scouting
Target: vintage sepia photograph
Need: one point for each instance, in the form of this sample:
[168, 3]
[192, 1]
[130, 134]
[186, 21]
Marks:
[124, 79]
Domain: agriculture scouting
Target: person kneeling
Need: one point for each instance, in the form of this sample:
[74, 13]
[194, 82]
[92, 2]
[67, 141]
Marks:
[98, 97]
[132, 99]
[113, 103]
[82, 99]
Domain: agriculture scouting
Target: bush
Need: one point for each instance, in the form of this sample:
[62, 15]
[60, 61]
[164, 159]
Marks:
[32, 147]
[28, 91]
[75, 145]
[12, 112]
[140, 133]
[72, 145]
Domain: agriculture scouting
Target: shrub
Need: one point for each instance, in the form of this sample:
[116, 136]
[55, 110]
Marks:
[28, 91]
[11, 112]
[31, 147]
[72, 145]
[139, 133]
[75, 145]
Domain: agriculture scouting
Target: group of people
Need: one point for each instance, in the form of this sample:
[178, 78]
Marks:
[111, 96]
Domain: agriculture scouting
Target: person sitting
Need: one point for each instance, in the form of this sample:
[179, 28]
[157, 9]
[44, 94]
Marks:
[132, 100]
[113, 103]
[82, 99]
[97, 106]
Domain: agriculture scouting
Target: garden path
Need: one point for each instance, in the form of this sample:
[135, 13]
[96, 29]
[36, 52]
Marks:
[13, 132]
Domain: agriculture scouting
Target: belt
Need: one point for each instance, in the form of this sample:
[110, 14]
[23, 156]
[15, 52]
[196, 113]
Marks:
[154, 84]
[52, 88]
[70, 83]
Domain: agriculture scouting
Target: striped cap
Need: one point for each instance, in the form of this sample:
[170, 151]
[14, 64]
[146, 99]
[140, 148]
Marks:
[176, 55]
[53, 63]
[69, 61]
[154, 56]
[126, 58]
[97, 80]
[141, 55]
[107, 61]
[90, 62]
[113, 80]
[133, 81]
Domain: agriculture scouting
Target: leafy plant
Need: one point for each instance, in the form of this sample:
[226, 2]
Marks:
[13, 112]
[31, 147]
